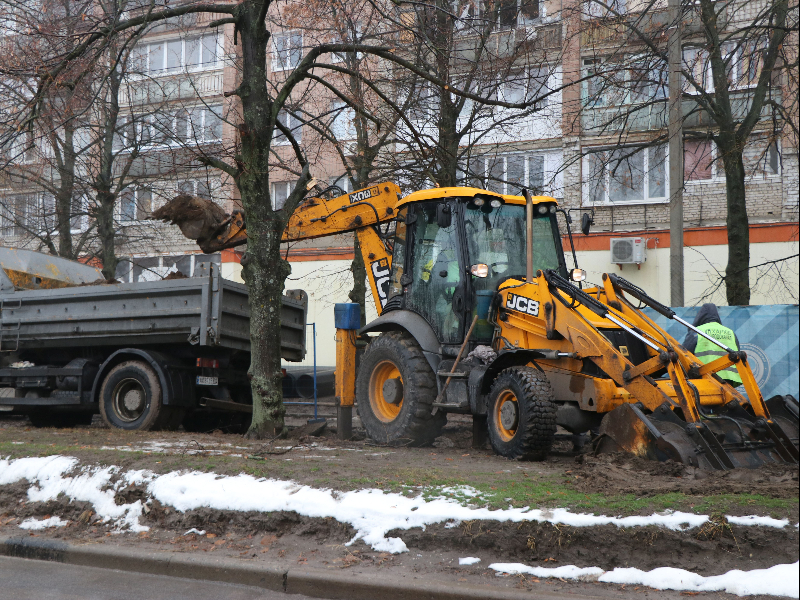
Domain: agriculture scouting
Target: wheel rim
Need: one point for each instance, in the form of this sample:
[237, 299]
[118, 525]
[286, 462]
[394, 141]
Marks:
[507, 415]
[383, 372]
[129, 400]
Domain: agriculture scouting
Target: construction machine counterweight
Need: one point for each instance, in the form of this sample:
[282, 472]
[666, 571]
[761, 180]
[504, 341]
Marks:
[540, 351]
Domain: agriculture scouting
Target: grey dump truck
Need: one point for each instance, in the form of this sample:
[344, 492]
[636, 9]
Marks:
[145, 355]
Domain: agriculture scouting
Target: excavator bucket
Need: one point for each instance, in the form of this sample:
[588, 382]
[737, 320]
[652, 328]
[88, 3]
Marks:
[198, 219]
[729, 438]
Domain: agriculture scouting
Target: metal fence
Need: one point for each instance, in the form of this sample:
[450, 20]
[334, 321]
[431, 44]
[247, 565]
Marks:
[769, 334]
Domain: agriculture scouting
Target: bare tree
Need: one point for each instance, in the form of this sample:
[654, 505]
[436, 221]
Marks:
[739, 100]
[262, 98]
[43, 155]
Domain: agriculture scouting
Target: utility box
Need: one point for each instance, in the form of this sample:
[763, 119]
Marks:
[628, 251]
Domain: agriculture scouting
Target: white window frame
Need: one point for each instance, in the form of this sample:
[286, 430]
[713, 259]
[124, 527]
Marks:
[154, 71]
[530, 87]
[623, 94]
[343, 126]
[285, 188]
[587, 179]
[552, 171]
[195, 183]
[278, 62]
[135, 194]
[293, 124]
[79, 223]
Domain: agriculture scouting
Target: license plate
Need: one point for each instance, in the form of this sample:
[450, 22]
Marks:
[202, 380]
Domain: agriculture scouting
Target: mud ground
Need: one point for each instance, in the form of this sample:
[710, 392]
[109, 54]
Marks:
[610, 484]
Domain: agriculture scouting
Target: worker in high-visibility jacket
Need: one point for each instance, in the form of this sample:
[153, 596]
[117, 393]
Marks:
[708, 321]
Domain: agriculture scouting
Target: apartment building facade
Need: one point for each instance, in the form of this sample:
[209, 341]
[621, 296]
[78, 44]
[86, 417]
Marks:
[588, 143]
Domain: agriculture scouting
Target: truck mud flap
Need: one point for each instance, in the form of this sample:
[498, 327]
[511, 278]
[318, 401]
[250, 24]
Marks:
[725, 440]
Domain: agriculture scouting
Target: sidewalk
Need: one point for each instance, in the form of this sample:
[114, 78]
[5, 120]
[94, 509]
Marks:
[319, 583]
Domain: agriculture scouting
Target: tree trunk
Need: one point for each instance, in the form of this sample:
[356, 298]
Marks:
[106, 233]
[64, 196]
[265, 272]
[264, 269]
[359, 292]
[737, 271]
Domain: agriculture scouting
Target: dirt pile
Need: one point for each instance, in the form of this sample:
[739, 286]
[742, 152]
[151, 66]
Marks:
[197, 218]
[626, 474]
[714, 548]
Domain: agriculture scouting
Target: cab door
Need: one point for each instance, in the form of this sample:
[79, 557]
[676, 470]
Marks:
[435, 288]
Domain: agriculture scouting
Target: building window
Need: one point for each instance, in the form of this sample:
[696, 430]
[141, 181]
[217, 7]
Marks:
[613, 84]
[182, 54]
[17, 214]
[135, 205]
[293, 124]
[342, 182]
[523, 85]
[199, 188]
[505, 14]
[154, 268]
[626, 175]
[699, 160]
[194, 125]
[280, 191]
[508, 174]
[287, 51]
[205, 124]
[343, 125]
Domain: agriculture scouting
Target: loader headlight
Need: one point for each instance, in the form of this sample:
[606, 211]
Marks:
[552, 209]
[479, 270]
[542, 209]
[578, 275]
[477, 201]
[496, 203]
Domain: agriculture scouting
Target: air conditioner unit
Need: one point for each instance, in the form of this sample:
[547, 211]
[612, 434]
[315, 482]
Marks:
[628, 251]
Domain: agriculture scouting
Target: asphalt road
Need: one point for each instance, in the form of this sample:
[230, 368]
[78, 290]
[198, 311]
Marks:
[24, 579]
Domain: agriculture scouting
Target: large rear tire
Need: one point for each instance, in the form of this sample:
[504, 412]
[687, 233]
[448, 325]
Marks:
[131, 398]
[395, 389]
[522, 414]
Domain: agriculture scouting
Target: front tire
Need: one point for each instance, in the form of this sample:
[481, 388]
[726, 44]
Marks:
[131, 398]
[396, 388]
[522, 414]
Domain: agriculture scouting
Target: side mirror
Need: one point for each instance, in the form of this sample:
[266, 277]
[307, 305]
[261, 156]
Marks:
[444, 216]
[586, 223]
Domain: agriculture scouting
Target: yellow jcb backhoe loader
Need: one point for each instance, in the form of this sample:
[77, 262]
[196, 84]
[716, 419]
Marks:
[465, 269]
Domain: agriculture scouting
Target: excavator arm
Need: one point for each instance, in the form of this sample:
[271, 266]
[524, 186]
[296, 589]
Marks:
[206, 223]
[360, 212]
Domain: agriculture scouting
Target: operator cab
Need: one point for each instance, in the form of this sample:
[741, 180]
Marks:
[455, 246]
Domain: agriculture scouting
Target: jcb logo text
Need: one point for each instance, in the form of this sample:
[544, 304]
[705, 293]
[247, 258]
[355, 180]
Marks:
[362, 195]
[523, 304]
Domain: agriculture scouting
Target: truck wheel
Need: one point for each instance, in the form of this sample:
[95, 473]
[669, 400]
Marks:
[130, 398]
[522, 414]
[395, 388]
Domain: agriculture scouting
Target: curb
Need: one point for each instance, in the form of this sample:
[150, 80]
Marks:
[319, 583]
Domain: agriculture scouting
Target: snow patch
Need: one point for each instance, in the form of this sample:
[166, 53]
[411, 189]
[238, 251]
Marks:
[756, 520]
[372, 513]
[780, 580]
[43, 524]
[469, 560]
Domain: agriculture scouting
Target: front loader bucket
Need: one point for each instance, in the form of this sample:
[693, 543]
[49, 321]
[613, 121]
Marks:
[723, 440]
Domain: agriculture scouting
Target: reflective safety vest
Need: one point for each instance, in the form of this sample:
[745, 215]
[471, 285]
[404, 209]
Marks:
[707, 351]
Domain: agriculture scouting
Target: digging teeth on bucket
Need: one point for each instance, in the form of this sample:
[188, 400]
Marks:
[726, 439]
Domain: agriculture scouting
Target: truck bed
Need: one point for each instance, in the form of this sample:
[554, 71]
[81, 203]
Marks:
[206, 310]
